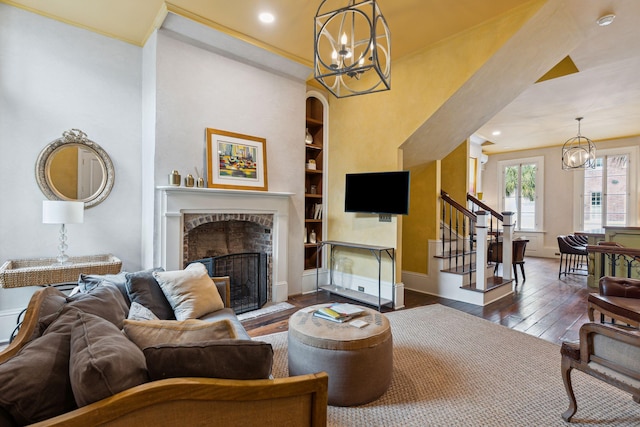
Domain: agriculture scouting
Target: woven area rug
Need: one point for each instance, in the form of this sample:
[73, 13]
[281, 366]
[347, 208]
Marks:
[454, 369]
[274, 308]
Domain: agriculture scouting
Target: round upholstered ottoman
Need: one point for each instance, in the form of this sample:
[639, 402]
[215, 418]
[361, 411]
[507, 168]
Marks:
[359, 361]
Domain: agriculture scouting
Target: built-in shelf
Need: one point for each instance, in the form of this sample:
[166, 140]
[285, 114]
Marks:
[314, 178]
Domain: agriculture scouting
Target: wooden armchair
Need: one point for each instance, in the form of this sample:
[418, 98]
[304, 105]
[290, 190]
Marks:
[608, 352]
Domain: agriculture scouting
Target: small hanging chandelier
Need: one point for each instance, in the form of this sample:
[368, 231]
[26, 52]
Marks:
[352, 48]
[578, 152]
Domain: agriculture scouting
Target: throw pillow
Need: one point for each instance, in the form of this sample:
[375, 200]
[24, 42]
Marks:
[34, 384]
[87, 282]
[191, 292]
[230, 359]
[104, 301]
[103, 362]
[155, 332]
[140, 312]
[143, 288]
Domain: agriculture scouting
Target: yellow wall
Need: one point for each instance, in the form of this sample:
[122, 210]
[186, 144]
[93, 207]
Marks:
[366, 131]
[422, 223]
[455, 173]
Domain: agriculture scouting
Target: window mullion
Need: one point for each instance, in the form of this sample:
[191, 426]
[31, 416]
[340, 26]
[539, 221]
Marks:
[603, 198]
[519, 200]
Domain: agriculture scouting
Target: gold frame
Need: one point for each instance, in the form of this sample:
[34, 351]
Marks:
[232, 177]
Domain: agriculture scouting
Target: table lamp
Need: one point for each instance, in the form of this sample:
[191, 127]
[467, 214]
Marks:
[62, 212]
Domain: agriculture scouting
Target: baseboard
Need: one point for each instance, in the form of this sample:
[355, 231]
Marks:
[280, 292]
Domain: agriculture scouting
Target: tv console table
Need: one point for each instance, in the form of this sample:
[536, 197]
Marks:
[377, 252]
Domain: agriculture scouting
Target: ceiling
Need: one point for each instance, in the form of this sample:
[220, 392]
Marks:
[605, 90]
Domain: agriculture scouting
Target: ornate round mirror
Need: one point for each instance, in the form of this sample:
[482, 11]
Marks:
[75, 168]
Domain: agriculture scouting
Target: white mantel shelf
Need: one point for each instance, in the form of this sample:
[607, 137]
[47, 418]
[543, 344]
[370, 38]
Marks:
[225, 191]
[174, 202]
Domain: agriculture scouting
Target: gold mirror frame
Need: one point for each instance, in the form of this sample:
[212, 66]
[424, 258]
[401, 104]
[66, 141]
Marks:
[74, 137]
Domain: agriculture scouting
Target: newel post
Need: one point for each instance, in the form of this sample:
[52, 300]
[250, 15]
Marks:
[481, 250]
[507, 245]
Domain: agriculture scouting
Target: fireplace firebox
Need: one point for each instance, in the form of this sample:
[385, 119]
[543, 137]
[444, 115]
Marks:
[248, 276]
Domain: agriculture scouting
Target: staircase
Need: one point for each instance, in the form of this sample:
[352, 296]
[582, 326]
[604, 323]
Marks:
[461, 259]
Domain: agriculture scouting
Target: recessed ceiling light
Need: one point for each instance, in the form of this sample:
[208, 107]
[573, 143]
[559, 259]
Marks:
[496, 133]
[266, 17]
[605, 20]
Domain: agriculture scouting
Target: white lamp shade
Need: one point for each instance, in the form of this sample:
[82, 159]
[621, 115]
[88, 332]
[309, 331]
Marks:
[62, 212]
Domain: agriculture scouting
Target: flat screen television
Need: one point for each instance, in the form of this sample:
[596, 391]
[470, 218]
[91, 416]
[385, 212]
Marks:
[377, 192]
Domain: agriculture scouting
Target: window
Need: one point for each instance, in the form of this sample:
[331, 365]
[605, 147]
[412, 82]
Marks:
[522, 185]
[606, 193]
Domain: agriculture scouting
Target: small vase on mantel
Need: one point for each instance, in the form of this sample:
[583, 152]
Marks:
[308, 138]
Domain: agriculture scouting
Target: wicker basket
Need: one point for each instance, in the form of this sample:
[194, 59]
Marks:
[46, 271]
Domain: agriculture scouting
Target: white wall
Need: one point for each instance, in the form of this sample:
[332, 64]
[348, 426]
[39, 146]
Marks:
[54, 77]
[198, 89]
[559, 187]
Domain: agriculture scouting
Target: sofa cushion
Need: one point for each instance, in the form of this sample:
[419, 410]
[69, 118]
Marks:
[50, 309]
[230, 359]
[87, 282]
[140, 312]
[143, 288]
[228, 314]
[104, 300]
[6, 420]
[156, 332]
[191, 292]
[103, 362]
[34, 384]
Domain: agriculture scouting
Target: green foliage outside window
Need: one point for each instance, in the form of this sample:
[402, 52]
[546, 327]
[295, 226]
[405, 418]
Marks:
[528, 181]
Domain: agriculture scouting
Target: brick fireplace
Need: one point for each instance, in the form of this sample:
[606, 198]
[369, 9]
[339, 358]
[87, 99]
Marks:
[239, 235]
[261, 217]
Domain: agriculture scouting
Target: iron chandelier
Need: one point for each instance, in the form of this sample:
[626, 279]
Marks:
[578, 152]
[352, 48]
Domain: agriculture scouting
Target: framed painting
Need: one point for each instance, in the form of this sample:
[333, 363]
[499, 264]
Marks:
[236, 161]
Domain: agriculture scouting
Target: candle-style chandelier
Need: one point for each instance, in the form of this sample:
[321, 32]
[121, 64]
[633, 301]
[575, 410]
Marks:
[352, 48]
[578, 152]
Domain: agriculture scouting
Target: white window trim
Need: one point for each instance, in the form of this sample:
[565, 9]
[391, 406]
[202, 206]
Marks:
[539, 160]
[578, 185]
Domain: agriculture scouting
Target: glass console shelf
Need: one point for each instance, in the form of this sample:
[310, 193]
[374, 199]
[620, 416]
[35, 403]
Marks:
[376, 251]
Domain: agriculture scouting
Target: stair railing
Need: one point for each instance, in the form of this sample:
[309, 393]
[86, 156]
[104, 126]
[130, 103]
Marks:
[615, 260]
[496, 220]
[461, 229]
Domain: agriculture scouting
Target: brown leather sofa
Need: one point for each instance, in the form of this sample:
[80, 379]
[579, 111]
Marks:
[618, 298]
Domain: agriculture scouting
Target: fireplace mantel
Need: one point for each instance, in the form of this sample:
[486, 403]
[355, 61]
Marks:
[174, 202]
[220, 191]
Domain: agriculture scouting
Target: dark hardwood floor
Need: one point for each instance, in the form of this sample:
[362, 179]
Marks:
[542, 306]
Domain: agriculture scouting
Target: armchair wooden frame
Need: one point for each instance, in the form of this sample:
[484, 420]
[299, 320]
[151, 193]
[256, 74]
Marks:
[585, 359]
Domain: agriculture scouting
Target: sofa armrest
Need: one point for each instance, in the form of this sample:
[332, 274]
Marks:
[619, 287]
[223, 284]
[43, 302]
[299, 400]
